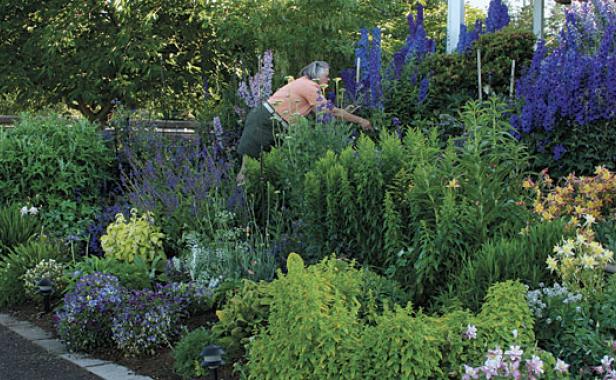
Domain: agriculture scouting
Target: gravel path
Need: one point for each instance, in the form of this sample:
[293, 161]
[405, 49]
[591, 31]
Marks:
[22, 360]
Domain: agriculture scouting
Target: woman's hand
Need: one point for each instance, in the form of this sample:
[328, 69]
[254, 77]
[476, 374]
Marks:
[346, 116]
[365, 125]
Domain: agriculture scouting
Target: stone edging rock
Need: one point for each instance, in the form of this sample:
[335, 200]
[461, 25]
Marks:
[102, 368]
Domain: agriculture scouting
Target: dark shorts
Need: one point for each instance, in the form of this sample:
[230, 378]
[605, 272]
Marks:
[258, 133]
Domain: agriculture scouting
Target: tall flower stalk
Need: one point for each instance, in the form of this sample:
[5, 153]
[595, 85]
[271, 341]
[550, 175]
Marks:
[258, 88]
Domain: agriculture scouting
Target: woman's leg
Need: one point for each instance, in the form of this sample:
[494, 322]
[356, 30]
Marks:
[240, 179]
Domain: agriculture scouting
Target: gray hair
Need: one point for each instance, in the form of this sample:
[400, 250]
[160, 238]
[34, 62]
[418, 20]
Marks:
[314, 70]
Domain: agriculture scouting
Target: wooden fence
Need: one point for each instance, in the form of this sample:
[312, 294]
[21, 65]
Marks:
[185, 128]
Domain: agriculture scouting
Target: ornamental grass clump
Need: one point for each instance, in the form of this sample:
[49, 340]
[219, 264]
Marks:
[17, 225]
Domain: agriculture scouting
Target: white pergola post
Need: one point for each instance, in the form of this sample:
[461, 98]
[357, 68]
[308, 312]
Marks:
[538, 18]
[455, 18]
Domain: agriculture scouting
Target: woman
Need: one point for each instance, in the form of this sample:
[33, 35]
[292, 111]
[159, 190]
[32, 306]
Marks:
[292, 101]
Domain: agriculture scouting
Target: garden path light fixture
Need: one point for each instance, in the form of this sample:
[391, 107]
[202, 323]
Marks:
[45, 288]
[211, 357]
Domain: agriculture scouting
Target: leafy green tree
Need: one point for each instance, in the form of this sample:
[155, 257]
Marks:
[86, 54]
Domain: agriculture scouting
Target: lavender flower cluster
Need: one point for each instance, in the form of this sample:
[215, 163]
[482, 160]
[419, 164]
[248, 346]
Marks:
[101, 313]
[174, 179]
[258, 88]
[576, 83]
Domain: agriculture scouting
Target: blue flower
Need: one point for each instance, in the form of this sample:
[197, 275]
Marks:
[558, 151]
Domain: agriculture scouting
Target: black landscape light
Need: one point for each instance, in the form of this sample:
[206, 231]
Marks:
[211, 357]
[45, 288]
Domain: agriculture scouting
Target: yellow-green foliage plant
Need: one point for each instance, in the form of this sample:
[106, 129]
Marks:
[242, 317]
[401, 345]
[136, 237]
[314, 330]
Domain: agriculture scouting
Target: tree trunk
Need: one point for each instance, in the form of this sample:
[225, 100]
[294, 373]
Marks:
[101, 116]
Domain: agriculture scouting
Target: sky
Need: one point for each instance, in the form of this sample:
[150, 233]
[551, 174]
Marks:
[516, 4]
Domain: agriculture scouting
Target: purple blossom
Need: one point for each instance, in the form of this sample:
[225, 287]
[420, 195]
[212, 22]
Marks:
[174, 179]
[558, 151]
[498, 16]
[534, 366]
[84, 320]
[467, 38]
[575, 85]
[376, 92]
[514, 353]
[471, 332]
[561, 366]
[148, 319]
[416, 45]
[218, 134]
[258, 88]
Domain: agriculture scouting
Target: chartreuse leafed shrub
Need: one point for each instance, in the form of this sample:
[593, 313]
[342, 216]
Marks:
[17, 263]
[314, 330]
[136, 237]
[242, 317]
[522, 257]
[17, 225]
[58, 164]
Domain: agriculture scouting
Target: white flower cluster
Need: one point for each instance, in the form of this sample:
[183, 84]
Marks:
[536, 301]
[29, 211]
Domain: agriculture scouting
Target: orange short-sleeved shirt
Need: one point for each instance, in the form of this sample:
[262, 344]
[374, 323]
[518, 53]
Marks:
[298, 97]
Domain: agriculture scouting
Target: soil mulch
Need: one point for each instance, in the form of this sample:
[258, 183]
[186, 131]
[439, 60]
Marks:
[158, 367]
